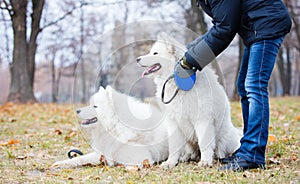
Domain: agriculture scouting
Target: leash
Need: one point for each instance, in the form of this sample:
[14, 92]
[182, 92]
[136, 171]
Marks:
[75, 151]
[163, 91]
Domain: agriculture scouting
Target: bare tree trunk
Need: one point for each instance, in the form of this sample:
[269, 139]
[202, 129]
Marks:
[195, 21]
[22, 68]
[120, 55]
[282, 71]
[37, 8]
[23, 65]
[20, 87]
[82, 64]
[53, 78]
[288, 76]
[285, 70]
[298, 77]
[6, 35]
[293, 6]
[59, 75]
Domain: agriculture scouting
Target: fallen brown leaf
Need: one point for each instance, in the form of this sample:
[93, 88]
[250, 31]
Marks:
[10, 142]
[146, 164]
[58, 132]
[272, 138]
[103, 162]
[297, 118]
[72, 133]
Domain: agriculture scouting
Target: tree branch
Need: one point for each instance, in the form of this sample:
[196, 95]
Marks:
[6, 39]
[7, 7]
[64, 16]
[80, 6]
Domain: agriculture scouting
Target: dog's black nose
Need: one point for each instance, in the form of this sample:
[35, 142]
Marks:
[138, 59]
[78, 111]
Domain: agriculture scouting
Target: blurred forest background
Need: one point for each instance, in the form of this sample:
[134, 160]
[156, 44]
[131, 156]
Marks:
[62, 50]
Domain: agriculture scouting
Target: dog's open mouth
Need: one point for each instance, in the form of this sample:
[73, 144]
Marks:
[151, 69]
[89, 121]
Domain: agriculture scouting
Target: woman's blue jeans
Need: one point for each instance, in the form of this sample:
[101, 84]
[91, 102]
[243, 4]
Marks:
[252, 84]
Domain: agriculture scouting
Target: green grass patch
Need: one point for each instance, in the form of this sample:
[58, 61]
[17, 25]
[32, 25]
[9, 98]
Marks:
[32, 137]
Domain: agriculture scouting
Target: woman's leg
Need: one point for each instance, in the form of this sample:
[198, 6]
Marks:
[240, 84]
[261, 61]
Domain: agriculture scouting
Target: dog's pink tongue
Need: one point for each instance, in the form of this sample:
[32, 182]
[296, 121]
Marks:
[147, 71]
[144, 73]
[83, 122]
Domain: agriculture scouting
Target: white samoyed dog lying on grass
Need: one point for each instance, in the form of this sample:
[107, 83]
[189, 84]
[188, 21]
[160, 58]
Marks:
[124, 131]
[201, 115]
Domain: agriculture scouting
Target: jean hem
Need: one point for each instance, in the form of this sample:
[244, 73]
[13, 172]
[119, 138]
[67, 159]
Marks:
[243, 156]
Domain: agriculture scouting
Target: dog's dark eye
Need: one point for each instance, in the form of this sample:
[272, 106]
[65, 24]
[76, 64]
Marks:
[155, 53]
[95, 106]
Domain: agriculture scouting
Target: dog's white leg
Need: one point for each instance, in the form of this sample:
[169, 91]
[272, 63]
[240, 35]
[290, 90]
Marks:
[91, 158]
[176, 142]
[206, 135]
[231, 141]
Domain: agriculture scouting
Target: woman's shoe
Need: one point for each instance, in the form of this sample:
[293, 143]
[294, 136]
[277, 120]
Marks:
[240, 164]
[228, 159]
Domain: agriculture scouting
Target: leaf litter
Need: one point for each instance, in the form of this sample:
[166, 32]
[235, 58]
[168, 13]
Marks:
[34, 136]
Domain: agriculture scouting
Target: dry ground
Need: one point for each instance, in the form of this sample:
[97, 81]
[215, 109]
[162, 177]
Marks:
[34, 136]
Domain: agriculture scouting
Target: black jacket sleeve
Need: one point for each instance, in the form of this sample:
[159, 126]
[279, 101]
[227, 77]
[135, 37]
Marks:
[226, 15]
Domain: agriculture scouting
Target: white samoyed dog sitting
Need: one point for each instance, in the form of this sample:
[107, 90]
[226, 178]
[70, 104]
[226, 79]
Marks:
[124, 131]
[201, 115]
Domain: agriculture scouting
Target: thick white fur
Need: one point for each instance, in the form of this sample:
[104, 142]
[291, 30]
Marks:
[127, 132]
[201, 115]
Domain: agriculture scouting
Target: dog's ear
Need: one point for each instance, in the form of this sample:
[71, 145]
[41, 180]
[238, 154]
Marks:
[109, 90]
[101, 88]
[173, 45]
[177, 47]
[162, 36]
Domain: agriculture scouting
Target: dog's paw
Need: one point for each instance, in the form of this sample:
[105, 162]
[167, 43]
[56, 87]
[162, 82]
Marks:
[205, 163]
[63, 164]
[56, 165]
[168, 165]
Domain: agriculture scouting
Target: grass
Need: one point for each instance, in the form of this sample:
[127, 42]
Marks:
[32, 137]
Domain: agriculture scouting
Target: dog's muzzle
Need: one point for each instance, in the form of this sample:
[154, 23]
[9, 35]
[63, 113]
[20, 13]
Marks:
[89, 121]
